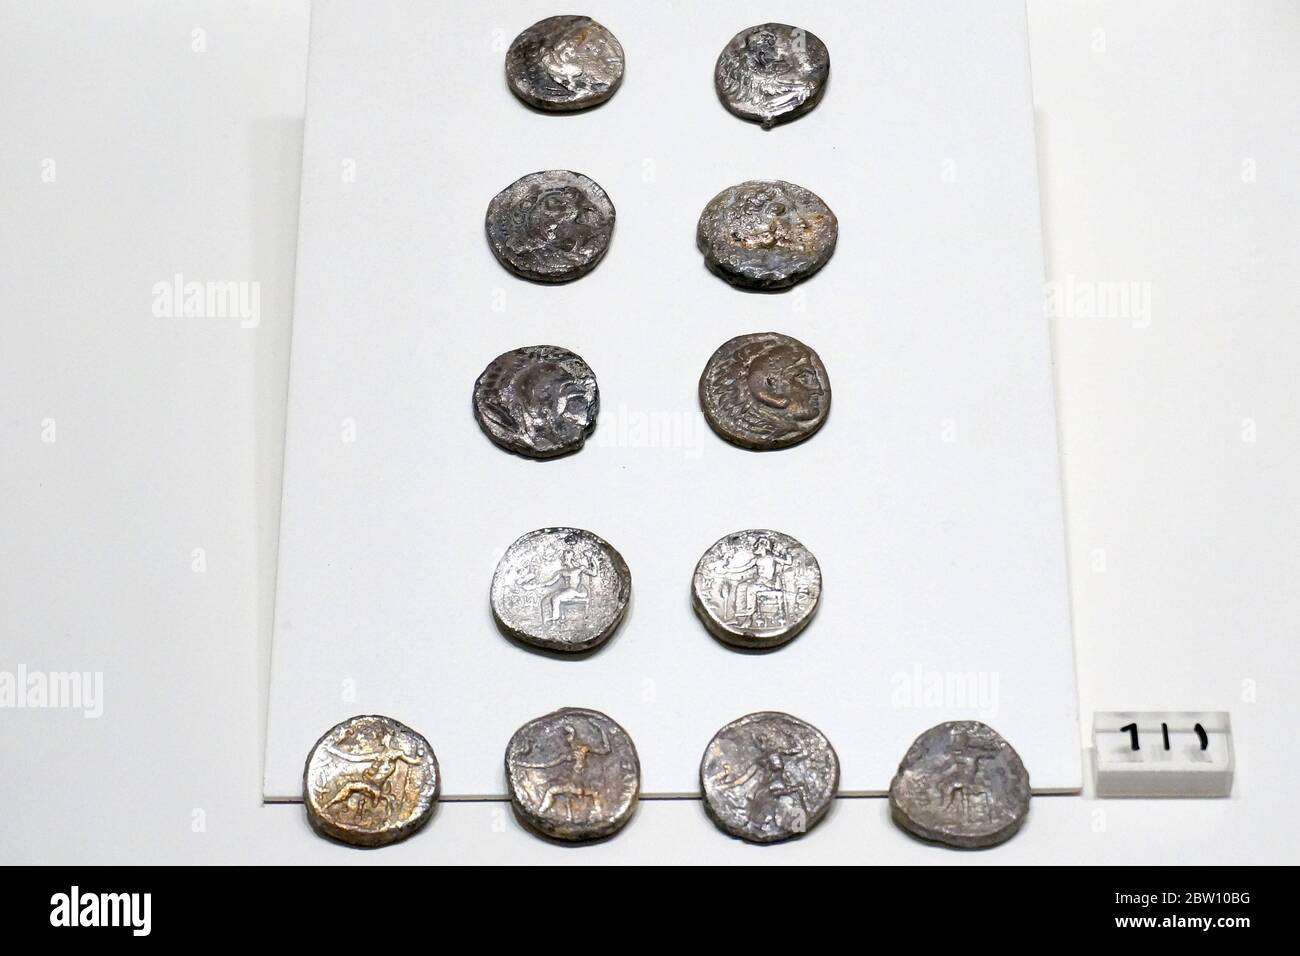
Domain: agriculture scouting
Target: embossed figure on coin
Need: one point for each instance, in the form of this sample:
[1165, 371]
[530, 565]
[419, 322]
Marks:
[539, 401]
[564, 63]
[961, 784]
[370, 781]
[573, 774]
[550, 226]
[562, 589]
[765, 391]
[772, 73]
[756, 589]
[768, 777]
[766, 234]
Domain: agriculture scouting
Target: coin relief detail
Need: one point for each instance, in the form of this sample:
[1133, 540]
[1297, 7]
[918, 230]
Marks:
[765, 391]
[766, 234]
[539, 401]
[564, 63]
[562, 589]
[961, 784]
[768, 777]
[573, 775]
[756, 588]
[550, 226]
[370, 781]
[772, 73]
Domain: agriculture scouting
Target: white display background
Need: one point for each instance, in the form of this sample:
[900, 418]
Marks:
[931, 497]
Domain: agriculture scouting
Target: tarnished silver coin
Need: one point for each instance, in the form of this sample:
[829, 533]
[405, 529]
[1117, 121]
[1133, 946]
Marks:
[765, 391]
[772, 73]
[370, 781]
[539, 401]
[961, 784]
[573, 775]
[551, 226]
[565, 63]
[766, 234]
[756, 589]
[562, 589]
[768, 777]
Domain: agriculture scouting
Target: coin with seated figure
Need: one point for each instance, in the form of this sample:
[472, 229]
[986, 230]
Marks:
[561, 589]
[573, 775]
[768, 777]
[370, 781]
[962, 785]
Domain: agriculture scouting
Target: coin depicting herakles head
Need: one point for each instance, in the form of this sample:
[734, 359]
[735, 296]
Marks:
[756, 589]
[550, 226]
[766, 234]
[768, 777]
[960, 784]
[562, 589]
[565, 63]
[573, 775]
[539, 401]
[772, 73]
[370, 781]
[765, 391]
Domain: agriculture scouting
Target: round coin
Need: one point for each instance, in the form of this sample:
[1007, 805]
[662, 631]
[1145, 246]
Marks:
[756, 589]
[768, 777]
[766, 234]
[573, 775]
[551, 226]
[561, 589]
[765, 391]
[772, 73]
[961, 784]
[370, 781]
[539, 401]
[566, 63]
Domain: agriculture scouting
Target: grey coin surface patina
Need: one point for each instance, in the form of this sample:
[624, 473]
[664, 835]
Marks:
[961, 784]
[768, 777]
[370, 781]
[765, 391]
[772, 73]
[550, 226]
[564, 63]
[766, 234]
[562, 589]
[573, 775]
[539, 401]
[756, 589]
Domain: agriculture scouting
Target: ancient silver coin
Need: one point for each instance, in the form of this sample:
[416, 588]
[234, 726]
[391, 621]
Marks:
[768, 777]
[564, 63]
[550, 226]
[370, 781]
[562, 589]
[765, 391]
[756, 589]
[539, 401]
[961, 784]
[766, 234]
[772, 73]
[573, 775]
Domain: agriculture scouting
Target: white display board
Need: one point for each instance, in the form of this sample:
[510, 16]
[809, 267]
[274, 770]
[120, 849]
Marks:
[931, 497]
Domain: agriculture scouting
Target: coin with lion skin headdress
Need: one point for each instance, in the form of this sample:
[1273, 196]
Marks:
[772, 73]
[766, 234]
[765, 391]
[539, 401]
[550, 226]
[564, 63]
